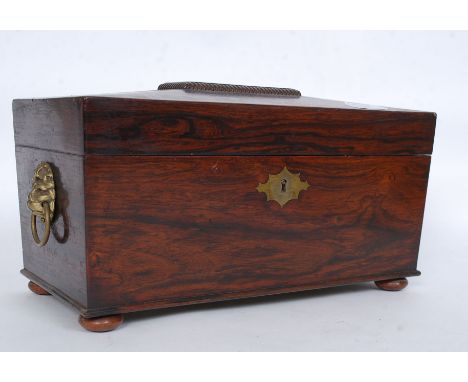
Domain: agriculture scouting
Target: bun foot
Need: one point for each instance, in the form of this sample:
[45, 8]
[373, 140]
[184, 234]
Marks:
[392, 285]
[101, 324]
[37, 289]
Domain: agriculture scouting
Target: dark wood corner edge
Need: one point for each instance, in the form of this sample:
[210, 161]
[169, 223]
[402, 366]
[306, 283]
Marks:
[52, 290]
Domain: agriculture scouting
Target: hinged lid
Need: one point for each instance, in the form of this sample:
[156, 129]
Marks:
[192, 118]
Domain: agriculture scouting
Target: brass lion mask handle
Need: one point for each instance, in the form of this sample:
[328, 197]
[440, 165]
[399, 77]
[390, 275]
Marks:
[41, 201]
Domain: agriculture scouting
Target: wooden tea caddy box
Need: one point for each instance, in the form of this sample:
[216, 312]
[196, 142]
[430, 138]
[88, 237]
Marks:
[206, 192]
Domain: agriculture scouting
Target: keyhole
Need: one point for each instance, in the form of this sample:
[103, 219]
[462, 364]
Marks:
[283, 185]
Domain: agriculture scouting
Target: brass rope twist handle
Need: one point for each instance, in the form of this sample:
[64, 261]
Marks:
[229, 88]
[41, 201]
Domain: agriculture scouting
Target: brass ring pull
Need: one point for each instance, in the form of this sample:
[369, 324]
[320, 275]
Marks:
[45, 238]
[41, 201]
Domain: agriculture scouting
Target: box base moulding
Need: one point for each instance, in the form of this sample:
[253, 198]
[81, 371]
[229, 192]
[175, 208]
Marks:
[105, 319]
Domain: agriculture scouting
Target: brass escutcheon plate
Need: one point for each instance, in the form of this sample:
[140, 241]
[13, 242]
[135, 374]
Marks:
[283, 187]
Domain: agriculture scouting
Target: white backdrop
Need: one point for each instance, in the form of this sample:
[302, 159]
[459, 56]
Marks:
[414, 70]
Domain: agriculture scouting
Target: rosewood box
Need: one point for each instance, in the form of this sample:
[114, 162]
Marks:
[203, 192]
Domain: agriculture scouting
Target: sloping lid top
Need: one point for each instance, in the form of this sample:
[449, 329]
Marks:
[241, 94]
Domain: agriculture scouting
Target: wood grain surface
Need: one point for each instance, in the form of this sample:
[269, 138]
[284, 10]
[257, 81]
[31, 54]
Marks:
[165, 231]
[116, 126]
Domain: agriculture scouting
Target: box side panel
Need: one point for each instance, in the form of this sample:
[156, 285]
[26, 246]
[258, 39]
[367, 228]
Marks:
[50, 124]
[61, 262]
[165, 231]
[143, 127]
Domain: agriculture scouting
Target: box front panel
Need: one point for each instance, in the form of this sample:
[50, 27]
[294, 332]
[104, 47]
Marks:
[163, 231]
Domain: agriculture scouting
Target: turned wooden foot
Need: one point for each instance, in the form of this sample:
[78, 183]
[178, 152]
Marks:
[392, 285]
[101, 324]
[37, 289]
